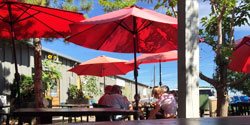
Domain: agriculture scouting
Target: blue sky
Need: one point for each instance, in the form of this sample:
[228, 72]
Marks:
[169, 69]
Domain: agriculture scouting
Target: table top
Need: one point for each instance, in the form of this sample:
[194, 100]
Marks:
[72, 105]
[36, 112]
[232, 120]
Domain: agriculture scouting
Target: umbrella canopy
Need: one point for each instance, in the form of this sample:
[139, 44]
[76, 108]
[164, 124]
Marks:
[115, 31]
[103, 66]
[240, 60]
[19, 20]
[32, 21]
[157, 57]
[129, 30]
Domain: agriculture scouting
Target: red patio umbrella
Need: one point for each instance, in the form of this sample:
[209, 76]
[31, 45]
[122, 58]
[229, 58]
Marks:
[129, 30]
[240, 61]
[103, 66]
[20, 20]
[157, 57]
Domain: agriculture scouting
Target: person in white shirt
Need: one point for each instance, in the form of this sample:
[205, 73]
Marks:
[166, 106]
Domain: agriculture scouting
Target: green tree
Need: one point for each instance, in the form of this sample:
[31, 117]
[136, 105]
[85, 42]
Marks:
[90, 87]
[50, 74]
[26, 91]
[111, 5]
[218, 32]
[64, 4]
[244, 87]
[169, 5]
[76, 96]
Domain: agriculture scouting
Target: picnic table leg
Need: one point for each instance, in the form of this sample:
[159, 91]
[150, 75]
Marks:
[8, 120]
[70, 119]
[147, 112]
[20, 121]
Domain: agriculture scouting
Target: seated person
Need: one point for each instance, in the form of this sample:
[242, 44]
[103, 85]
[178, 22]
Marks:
[165, 89]
[115, 99]
[106, 92]
[166, 106]
[175, 95]
[140, 110]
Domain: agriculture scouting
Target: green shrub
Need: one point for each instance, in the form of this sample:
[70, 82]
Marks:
[76, 96]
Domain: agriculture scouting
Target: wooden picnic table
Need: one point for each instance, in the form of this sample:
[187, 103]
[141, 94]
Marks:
[72, 105]
[146, 109]
[232, 120]
[48, 113]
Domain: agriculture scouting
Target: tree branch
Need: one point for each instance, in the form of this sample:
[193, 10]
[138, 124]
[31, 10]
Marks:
[238, 81]
[209, 80]
[214, 5]
[231, 36]
[222, 11]
[175, 14]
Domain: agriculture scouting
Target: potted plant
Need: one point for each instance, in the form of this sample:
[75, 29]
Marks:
[76, 96]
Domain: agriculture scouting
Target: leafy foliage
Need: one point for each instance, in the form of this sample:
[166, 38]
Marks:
[91, 88]
[169, 5]
[71, 5]
[218, 32]
[111, 5]
[209, 32]
[50, 74]
[73, 92]
[244, 87]
[26, 89]
[76, 96]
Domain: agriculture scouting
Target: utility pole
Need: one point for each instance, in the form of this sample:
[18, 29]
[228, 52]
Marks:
[154, 75]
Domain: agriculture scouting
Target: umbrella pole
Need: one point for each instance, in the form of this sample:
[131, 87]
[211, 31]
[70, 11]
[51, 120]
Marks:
[104, 83]
[135, 37]
[160, 74]
[17, 75]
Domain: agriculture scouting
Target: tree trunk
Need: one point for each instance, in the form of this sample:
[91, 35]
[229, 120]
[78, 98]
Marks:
[38, 73]
[222, 101]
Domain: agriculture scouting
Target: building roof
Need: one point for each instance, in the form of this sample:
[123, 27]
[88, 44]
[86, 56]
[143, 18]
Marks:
[79, 61]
